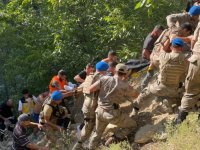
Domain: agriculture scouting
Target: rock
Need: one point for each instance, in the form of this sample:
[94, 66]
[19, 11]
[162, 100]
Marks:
[145, 134]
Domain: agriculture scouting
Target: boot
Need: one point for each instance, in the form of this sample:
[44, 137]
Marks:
[181, 116]
[78, 146]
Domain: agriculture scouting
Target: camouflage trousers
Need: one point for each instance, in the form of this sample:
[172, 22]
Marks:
[89, 107]
[192, 84]
[115, 116]
[159, 90]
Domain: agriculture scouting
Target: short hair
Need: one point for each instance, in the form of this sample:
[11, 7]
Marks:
[159, 27]
[186, 26]
[113, 53]
[112, 64]
[90, 65]
[62, 72]
[25, 91]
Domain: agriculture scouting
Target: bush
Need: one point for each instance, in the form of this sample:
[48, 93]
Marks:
[182, 137]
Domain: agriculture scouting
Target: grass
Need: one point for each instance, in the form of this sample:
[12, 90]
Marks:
[183, 137]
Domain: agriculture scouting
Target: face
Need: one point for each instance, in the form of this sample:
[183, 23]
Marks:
[10, 103]
[63, 77]
[111, 69]
[195, 18]
[26, 96]
[185, 32]
[89, 70]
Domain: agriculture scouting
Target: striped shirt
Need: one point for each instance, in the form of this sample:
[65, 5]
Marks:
[20, 138]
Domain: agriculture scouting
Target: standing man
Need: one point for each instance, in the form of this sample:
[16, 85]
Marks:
[27, 102]
[112, 91]
[192, 81]
[90, 103]
[150, 40]
[80, 78]
[112, 56]
[175, 20]
[172, 72]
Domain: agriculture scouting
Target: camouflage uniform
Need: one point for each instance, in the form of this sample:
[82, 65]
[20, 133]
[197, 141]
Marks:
[192, 81]
[112, 92]
[173, 69]
[175, 20]
[89, 106]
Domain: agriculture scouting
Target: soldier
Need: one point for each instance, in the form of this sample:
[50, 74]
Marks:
[112, 91]
[192, 81]
[175, 20]
[90, 103]
[172, 71]
[182, 32]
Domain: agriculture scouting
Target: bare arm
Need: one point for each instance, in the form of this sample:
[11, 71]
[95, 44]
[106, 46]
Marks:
[77, 78]
[146, 54]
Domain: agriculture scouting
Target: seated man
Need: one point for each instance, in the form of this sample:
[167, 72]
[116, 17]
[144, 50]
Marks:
[172, 72]
[6, 116]
[20, 137]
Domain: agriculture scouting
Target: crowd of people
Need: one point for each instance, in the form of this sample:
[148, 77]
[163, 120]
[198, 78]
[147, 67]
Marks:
[173, 53]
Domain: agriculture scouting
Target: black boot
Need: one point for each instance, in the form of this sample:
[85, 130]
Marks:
[181, 116]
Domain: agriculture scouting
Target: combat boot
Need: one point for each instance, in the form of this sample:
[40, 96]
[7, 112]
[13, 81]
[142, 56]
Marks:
[181, 117]
[78, 146]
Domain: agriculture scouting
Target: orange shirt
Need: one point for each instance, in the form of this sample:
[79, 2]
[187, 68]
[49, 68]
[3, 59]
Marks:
[61, 84]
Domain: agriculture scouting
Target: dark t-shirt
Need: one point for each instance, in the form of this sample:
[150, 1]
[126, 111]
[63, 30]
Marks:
[83, 74]
[5, 111]
[149, 43]
[20, 138]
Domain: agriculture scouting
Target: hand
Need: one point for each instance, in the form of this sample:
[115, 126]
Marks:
[40, 126]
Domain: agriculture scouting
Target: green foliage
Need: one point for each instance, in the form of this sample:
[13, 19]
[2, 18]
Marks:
[119, 146]
[184, 137]
[40, 37]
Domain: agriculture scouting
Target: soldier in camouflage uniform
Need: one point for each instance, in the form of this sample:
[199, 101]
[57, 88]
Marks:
[182, 32]
[112, 91]
[192, 81]
[90, 103]
[175, 20]
[172, 71]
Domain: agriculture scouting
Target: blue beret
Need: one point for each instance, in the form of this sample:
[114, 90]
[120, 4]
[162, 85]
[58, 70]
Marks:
[194, 11]
[56, 96]
[177, 42]
[102, 66]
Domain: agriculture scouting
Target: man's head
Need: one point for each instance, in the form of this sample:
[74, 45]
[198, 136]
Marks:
[9, 103]
[56, 97]
[25, 93]
[62, 74]
[158, 29]
[112, 55]
[24, 120]
[194, 13]
[177, 45]
[112, 66]
[185, 29]
[102, 67]
[89, 68]
[121, 70]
